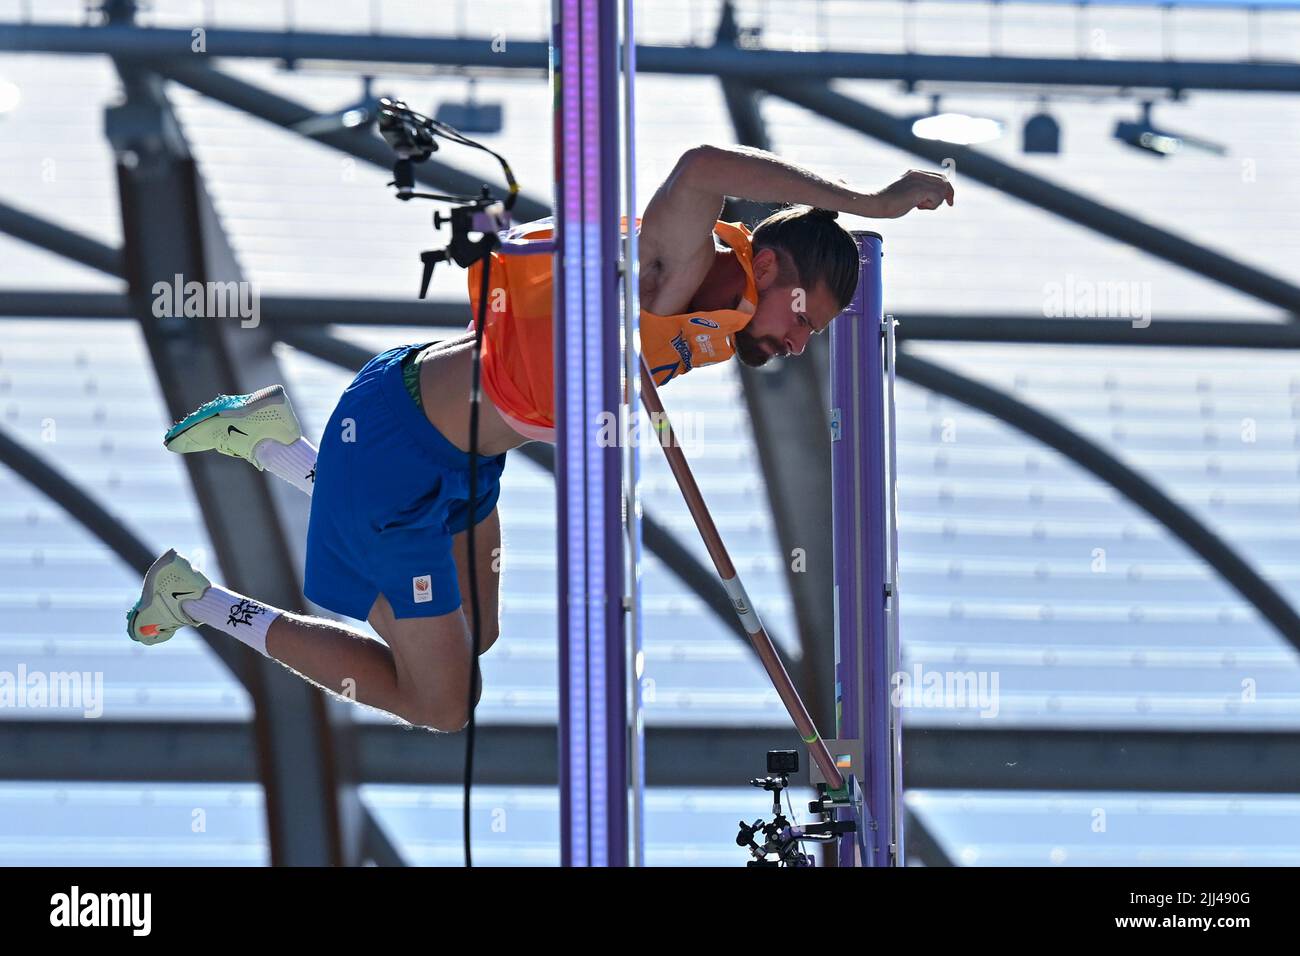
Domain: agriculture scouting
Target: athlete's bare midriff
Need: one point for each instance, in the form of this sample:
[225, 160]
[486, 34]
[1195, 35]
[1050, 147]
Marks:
[446, 372]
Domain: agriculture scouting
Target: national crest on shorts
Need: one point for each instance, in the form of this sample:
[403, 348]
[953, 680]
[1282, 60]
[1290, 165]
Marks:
[422, 588]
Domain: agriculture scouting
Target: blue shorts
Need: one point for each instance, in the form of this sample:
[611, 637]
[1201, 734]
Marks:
[390, 493]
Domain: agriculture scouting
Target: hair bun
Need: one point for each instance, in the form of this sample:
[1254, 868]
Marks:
[828, 214]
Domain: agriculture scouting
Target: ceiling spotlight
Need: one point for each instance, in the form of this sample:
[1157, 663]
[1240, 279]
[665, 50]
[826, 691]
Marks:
[1042, 134]
[471, 116]
[349, 117]
[1144, 135]
[958, 128]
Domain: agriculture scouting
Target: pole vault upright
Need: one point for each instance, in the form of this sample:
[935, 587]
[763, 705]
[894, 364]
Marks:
[596, 587]
[866, 559]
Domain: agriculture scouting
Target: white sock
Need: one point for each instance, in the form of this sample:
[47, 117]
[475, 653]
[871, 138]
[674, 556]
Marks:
[233, 614]
[294, 463]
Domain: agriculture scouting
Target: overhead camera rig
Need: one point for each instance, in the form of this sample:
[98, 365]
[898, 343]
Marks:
[414, 138]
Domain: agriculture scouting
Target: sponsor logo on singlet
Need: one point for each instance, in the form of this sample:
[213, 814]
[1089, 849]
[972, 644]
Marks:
[684, 350]
[707, 323]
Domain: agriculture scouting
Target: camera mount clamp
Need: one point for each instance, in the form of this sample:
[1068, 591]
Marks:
[783, 841]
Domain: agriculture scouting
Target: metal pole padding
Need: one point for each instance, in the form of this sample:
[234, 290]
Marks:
[865, 578]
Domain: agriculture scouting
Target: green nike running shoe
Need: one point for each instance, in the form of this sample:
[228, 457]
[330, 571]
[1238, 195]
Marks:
[158, 614]
[234, 424]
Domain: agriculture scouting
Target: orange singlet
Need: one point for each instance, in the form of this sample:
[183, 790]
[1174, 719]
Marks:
[518, 351]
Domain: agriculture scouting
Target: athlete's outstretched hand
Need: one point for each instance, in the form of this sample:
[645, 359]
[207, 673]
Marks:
[915, 189]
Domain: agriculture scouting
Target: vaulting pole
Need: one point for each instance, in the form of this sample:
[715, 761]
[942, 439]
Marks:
[744, 608]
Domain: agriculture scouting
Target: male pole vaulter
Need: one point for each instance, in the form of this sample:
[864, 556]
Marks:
[387, 536]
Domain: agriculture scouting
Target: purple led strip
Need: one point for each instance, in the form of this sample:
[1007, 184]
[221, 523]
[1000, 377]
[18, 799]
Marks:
[570, 547]
[592, 350]
[593, 705]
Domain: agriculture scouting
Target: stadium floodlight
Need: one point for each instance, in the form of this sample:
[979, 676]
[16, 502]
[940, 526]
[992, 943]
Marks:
[1144, 135]
[10, 96]
[353, 116]
[960, 129]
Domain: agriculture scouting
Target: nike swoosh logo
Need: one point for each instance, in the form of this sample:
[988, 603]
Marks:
[177, 595]
[232, 429]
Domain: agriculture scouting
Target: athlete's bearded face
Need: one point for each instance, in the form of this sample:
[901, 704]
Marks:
[788, 315]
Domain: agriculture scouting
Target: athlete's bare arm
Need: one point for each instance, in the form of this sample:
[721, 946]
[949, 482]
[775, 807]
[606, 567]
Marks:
[676, 239]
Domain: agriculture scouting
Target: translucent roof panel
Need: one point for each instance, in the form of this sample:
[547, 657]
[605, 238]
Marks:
[109, 824]
[1111, 829]
[82, 395]
[1016, 564]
